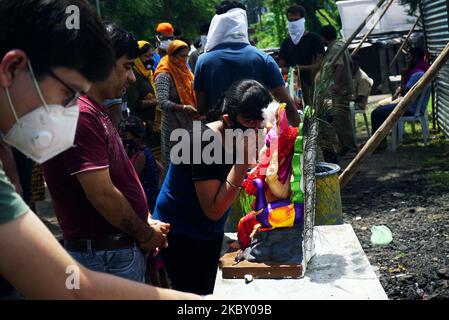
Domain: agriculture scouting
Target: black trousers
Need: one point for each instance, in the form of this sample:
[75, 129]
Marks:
[192, 264]
[381, 113]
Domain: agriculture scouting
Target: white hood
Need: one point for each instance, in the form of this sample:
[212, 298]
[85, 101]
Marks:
[231, 26]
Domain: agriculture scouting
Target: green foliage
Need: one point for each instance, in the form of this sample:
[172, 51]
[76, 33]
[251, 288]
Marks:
[319, 13]
[440, 177]
[254, 7]
[246, 202]
[272, 29]
[142, 16]
[264, 34]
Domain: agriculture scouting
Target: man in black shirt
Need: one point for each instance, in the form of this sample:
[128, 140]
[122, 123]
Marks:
[302, 48]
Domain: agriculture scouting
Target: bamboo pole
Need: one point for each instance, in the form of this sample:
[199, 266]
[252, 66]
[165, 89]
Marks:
[356, 32]
[400, 109]
[384, 11]
[404, 43]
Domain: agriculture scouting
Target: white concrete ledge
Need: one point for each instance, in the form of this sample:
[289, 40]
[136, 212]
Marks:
[339, 270]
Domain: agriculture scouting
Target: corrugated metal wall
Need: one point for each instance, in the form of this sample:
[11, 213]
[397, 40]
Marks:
[436, 26]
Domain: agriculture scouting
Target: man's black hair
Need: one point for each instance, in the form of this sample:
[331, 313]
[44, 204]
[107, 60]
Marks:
[297, 10]
[329, 32]
[204, 28]
[355, 62]
[38, 27]
[133, 125]
[227, 5]
[123, 42]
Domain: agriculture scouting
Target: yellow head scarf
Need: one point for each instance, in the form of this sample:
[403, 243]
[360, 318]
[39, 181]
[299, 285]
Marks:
[141, 69]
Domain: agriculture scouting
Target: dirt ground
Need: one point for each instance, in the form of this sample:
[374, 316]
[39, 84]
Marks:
[407, 191]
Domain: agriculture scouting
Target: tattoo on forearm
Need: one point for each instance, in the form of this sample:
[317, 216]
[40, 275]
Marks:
[127, 226]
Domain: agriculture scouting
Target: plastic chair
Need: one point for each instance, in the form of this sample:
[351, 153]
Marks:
[362, 111]
[354, 113]
[398, 129]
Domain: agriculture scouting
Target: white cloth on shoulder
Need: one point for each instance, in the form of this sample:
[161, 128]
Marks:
[231, 26]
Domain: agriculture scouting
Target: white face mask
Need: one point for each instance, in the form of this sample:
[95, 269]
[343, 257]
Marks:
[296, 30]
[44, 132]
[164, 44]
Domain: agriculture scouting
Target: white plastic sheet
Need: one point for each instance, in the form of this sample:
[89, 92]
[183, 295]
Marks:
[353, 13]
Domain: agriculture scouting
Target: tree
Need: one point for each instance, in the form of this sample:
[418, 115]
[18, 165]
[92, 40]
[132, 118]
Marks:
[166, 10]
[272, 28]
[254, 9]
[141, 16]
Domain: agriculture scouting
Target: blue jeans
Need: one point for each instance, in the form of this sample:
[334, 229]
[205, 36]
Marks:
[128, 263]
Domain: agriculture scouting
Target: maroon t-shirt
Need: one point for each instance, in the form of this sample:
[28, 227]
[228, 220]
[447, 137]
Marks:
[97, 146]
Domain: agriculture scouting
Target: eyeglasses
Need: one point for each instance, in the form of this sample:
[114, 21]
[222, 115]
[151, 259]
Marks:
[75, 94]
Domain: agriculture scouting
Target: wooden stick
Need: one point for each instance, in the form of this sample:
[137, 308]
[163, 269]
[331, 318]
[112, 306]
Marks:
[384, 11]
[404, 43]
[356, 32]
[400, 109]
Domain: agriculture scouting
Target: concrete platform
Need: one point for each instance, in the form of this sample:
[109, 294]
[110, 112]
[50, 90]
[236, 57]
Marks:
[339, 270]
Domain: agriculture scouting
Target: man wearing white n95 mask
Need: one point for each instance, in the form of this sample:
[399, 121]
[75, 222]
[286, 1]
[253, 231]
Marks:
[303, 49]
[47, 130]
[40, 79]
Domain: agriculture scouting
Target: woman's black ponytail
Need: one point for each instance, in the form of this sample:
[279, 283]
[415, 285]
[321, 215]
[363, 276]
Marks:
[215, 113]
[245, 97]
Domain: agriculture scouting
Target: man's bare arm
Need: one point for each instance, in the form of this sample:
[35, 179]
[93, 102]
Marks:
[281, 94]
[36, 265]
[115, 208]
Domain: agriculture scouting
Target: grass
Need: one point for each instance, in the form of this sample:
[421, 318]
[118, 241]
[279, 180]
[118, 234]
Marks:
[440, 177]
[438, 141]
[400, 255]
[408, 131]
[435, 162]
